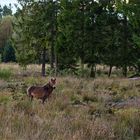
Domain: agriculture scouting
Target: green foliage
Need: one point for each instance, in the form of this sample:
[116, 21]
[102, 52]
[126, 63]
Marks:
[32, 37]
[136, 39]
[0, 12]
[65, 43]
[5, 30]
[89, 32]
[7, 10]
[24, 51]
[0, 58]
[8, 54]
[83, 73]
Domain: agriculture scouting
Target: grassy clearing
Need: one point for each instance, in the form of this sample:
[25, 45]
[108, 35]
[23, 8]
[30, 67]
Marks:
[79, 109]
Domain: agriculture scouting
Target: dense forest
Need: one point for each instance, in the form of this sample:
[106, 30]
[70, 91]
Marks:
[72, 34]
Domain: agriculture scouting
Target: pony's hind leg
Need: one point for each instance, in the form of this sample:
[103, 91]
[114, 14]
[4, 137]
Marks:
[43, 100]
[31, 98]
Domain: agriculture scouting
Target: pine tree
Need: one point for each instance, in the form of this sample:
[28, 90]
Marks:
[37, 29]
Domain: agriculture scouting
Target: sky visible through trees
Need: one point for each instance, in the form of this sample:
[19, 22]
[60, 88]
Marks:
[7, 2]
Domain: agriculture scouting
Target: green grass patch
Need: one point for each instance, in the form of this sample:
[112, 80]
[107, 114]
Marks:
[5, 74]
[4, 99]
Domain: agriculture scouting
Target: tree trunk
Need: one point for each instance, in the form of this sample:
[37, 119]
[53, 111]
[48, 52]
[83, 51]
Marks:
[56, 66]
[110, 71]
[43, 61]
[82, 64]
[82, 34]
[52, 42]
[125, 46]
[138, 68]
[55, 36]
[124, 70]
[52, 55]
[93, 71]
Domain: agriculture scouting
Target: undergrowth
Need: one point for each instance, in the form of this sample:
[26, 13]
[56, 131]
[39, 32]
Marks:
[79, 109]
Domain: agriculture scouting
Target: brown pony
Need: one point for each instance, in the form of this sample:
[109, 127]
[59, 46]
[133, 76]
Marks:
[42, 92]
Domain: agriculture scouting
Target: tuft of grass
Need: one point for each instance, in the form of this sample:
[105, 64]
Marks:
[89, 98]
[4, 99]
[23, 106]
[5, 74]
[31, 81]
[127, 125]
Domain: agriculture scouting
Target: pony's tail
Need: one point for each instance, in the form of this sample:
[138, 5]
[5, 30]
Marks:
[29, 91]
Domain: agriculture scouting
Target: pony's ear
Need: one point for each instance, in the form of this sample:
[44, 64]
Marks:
[53, 79]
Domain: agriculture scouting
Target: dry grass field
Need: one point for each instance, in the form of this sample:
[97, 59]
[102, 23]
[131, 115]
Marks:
[79, 108]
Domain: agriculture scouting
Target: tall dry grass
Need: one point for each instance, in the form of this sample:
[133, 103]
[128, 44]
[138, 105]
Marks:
[79, 109]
